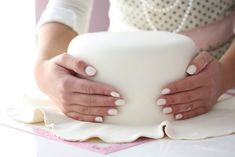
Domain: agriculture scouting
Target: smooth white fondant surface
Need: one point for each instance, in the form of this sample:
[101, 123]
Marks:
[139, 65]
[217, 122]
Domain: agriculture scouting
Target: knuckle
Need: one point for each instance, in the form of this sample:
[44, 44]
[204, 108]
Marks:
[191, 106]
[204, 59]
[203, 56]
[187, 115]
[170, 100]
[84, 110]
[179, 108]
[106, 89]
[85, 118]
[89, 89]
[110, 100]
[91, 101]
[79, 64]
[98, 111]
[183, 107]
[175, 108]
[187, 96]
[174, 87]
[208, 56]
[79, 117]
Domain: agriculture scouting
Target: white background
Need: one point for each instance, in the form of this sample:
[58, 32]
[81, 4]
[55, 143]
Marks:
[17, 47]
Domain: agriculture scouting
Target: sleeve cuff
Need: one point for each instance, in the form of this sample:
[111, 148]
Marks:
[79, 23]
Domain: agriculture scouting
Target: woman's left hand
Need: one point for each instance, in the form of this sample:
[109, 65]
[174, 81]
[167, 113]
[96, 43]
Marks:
[197, 93]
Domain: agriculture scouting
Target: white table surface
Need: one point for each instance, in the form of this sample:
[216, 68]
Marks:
[16, 143]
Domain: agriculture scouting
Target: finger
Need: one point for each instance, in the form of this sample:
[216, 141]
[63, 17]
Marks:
[86, 118]
[94, 111]
[191, 113]
[181, 107]
[94, 100]
[90, 87]
[181, 98]
[199, 63]
[186, 84]
[75, 64]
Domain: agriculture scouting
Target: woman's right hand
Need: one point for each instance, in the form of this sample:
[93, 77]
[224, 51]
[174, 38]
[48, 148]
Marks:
[65, 79]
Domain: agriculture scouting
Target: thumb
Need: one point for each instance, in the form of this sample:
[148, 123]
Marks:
[75, 64]
[199, 63]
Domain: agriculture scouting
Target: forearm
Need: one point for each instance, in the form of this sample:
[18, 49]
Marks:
[228, 64]
[53, 39]
[214, 34]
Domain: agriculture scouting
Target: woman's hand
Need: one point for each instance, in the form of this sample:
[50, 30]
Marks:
[197, 93]
[65, 80]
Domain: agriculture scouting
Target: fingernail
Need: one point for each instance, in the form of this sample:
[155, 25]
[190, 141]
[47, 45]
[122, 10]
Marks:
[178, 116]
[98, 119]
[161, 102]
[191, 69]
[165, 91]
[167, 110]
[115, 94]
[90, 71]
[120, 102]
[112, 112]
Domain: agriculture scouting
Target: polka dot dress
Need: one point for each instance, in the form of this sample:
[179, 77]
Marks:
[203, 12]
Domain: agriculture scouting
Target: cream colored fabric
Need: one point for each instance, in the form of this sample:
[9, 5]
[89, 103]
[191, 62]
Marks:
[73, 13]
[130, 12]
[218, 122]
[128, 15]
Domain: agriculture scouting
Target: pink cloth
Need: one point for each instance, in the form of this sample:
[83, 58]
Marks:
[102, 148]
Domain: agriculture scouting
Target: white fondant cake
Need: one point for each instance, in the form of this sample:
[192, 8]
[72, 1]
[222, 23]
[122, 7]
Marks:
[138, 65]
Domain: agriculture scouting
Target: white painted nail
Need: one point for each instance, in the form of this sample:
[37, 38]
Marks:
[90, 71]
[161, 102]
[178, 116]
[165, 91]
[167, 110]
[120, 102]
[112, 112]
[191, 69]
[98, 119]
[115, 94]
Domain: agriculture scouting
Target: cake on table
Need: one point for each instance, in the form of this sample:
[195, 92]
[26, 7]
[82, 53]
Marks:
[138, 65]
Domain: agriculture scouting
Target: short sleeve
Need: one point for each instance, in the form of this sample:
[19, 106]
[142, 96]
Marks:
[73, 13]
